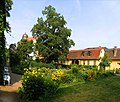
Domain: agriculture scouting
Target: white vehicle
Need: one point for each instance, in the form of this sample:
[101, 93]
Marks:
[6, 77]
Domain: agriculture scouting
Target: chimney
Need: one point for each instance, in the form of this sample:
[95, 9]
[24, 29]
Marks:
[115, 51]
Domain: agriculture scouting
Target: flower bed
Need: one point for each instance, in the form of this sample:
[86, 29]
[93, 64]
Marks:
[44, 82]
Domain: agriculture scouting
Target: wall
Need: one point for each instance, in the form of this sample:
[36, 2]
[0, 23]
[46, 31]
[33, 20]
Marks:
[84, 62]
[102, 52]
[115, 64]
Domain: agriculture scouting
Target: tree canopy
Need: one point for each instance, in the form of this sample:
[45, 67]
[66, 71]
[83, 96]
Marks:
[19, 55]
[53, 36]
[24, 48]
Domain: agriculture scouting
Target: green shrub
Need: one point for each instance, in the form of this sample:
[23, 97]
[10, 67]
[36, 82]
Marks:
[87, 74]
[62, 66]
[21, 93]
[68, 78]
[74, 69]
[118, 71]
[41, 65]
[18, 70]
[36, 84]
[44, 82]
[105, 74]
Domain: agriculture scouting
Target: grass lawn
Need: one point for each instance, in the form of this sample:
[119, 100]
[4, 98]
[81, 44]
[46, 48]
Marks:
[102, 90]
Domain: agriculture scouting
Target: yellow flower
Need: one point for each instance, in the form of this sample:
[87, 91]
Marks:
[27, 76]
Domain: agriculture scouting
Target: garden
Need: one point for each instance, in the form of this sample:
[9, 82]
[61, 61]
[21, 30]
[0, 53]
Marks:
[40, 83]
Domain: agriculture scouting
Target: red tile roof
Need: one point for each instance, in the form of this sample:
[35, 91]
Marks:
[30, 38]
[89, 53]
[110, 53]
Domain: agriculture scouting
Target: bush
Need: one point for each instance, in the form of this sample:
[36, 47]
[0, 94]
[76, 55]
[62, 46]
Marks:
[57, 75]
[69, 78]
[87, 74]
[74, 69]
[105, 74]
[118, 71]
[41, 65]
[18, 70]
[44, 82]
[36, 84]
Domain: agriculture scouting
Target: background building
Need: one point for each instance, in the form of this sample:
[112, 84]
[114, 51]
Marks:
[91, 56]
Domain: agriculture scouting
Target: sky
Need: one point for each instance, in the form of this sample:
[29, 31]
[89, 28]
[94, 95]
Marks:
[93, 23]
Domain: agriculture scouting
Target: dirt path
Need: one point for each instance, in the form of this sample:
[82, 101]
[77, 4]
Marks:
[10, 93]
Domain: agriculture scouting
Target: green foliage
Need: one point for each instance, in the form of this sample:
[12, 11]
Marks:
[88, 74]
[104, 62]
[24, 48]
[118, 71]
[14, 56]
[41, 65]
[7, 55]
[5, 7]
[105, 74]
[17, 70]
[103, 90]
[75, 69]
[84, 72]
[37, 83]
[53, 36]
[19, 56]
[48, 81]
[8, 5]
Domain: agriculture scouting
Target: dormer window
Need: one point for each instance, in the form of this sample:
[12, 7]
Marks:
[89, 53]
[82, 54]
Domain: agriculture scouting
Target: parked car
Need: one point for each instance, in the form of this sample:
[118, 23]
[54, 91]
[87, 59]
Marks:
[6, 76]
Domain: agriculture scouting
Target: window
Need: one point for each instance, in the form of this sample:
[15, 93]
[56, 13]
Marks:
[72, 61]
[82, 54]
[89, 53]
[84, 62]
[76, 62]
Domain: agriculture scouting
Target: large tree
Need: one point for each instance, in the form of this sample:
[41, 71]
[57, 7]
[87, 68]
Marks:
[52, 35]
[5, 7]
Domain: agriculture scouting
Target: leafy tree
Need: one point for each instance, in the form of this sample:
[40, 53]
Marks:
[14, 56]
[24, 48]
[5, 7]
[104, 62]
[52, 35]
[19, 55]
